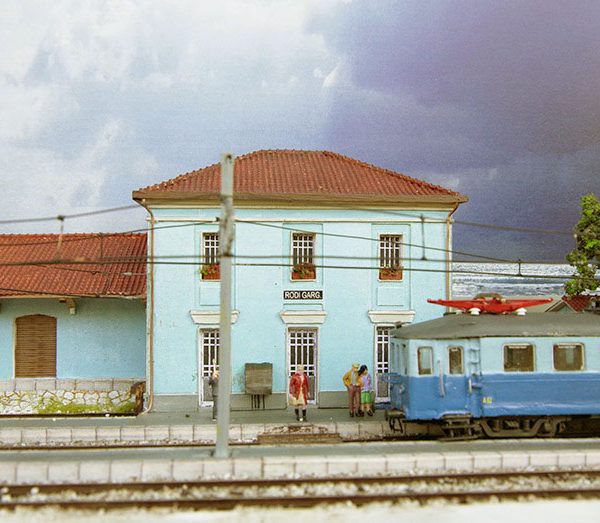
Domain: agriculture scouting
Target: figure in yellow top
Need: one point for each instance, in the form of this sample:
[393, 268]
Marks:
[352, 383]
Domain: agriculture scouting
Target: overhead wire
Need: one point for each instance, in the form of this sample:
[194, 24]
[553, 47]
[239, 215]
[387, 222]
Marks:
[176, 260]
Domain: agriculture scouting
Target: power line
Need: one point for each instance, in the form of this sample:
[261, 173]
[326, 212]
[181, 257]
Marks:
[96, 236]
[159, 261]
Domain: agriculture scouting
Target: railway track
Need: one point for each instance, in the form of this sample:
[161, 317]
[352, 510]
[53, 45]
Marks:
[222, 494]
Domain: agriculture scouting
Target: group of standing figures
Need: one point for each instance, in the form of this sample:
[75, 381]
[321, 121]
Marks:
[357, 381]
[359, 385]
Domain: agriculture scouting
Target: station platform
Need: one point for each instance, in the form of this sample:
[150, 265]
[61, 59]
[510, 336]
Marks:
[159, 428]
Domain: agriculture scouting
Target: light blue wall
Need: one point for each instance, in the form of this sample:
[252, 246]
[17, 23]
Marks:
[260, 334]
[106, 338]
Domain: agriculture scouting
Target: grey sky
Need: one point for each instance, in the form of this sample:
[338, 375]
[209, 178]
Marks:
[499, 100]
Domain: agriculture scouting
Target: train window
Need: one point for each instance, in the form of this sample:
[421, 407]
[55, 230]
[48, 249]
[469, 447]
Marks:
[455, 360]
[425, 360]
[518, 358]
[568, 356]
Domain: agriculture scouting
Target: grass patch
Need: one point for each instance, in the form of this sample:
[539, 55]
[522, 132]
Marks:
[56, 407]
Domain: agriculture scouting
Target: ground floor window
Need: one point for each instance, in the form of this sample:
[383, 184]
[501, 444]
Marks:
[35, 347]
[382, 361]
[302, 350]
[208, 361]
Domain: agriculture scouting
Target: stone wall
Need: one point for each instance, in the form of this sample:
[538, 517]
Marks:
[48, 396]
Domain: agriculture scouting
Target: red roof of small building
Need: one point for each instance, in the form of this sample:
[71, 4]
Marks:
[304, 175]
[99, 265]
[578, 303]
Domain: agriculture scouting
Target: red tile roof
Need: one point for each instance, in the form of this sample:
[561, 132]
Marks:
[104, 265]
[306, 175]
[578, 303]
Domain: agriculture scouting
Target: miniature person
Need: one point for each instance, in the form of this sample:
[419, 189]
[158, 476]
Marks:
[366, 391]
[299, 392]
[352, 383]
[213, 382]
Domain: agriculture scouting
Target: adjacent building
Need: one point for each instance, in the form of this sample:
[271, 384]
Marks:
[330, 253]
[72, 323]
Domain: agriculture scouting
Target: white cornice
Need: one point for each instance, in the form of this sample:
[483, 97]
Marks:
[391, 317]
[211, 318]
[303, 317]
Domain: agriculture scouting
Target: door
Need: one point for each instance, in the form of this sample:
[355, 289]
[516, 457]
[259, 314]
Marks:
[35, 347]
[382, 362]
[303, 350]
[208, 361]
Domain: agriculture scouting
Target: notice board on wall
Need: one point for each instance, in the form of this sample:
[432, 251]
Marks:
[259, 378]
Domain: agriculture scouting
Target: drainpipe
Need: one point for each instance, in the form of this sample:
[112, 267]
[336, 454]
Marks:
[448, 253]
[150, 309]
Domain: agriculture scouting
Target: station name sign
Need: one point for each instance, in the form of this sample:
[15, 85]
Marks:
[302, 295]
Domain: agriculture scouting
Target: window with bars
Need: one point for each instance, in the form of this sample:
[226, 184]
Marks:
[390, 257]
[209, 347]
[210, 256]
[303, 254]
[382, 361]
[302, 348]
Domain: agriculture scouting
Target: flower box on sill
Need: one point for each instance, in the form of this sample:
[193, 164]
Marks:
[211, 271]
[304, 271]
[390, 273]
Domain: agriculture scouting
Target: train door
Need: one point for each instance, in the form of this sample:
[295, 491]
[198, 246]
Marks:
[474, 381]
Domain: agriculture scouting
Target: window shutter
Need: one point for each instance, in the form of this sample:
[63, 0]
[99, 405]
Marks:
[35, 351]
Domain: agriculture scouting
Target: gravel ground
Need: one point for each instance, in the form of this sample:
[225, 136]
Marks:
[532, 512]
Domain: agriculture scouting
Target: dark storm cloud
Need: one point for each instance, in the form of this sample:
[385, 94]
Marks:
[524, 75]
[499, 100]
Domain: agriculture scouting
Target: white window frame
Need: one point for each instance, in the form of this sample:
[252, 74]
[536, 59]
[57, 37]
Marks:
[517, 346]
[379, 367]
[462, 360]
[210, 248]
[429, 350]
[389, 251]
[563, 345]
[303, 250]
[207, 338]
[288, 351]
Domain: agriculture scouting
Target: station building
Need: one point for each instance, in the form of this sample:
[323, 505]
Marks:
[329, 254]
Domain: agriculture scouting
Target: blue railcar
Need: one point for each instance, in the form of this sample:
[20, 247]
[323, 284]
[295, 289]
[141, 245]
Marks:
[506, 375]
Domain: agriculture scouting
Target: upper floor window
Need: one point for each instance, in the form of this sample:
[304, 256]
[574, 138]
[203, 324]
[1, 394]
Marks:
[390, 257]
[455, 360]
[425, 360]
[303, 255]
[568, 356]
[518, 358]
[210, 256]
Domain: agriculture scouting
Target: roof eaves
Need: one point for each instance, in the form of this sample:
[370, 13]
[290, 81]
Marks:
[193, 196]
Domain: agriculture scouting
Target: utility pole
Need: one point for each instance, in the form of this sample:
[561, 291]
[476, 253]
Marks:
[226, 234]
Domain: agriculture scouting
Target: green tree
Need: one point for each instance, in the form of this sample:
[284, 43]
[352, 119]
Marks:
[585, 258]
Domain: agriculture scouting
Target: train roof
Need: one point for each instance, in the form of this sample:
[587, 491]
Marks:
[459, 326]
